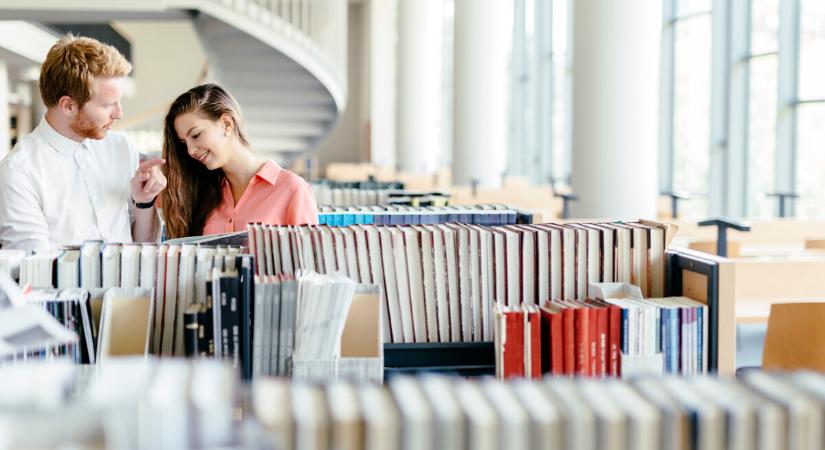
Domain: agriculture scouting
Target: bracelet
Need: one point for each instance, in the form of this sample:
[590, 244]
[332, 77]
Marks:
[146, 205]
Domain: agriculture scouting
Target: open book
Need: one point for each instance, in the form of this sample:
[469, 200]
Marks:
[234, 238]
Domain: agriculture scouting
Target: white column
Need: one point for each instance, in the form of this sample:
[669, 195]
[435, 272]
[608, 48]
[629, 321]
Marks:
[382, 56]
[419, 94]
[615, 108]
[5, 89]
[482, 40]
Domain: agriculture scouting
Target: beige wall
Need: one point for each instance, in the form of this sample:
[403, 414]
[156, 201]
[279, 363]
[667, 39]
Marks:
[168, 60]
[348, 141]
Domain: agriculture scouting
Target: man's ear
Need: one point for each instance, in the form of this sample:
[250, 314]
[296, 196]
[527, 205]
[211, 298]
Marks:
[67, 105]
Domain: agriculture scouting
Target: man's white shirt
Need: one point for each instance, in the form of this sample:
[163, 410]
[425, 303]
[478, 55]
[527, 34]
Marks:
[55, 191]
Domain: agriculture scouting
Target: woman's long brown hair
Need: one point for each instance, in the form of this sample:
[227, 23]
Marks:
[193, 191]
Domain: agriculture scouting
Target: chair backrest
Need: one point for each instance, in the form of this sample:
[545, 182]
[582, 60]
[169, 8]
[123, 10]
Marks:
[796, 337]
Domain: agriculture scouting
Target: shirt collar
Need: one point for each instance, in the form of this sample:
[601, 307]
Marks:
[269, 172]
[61, 143]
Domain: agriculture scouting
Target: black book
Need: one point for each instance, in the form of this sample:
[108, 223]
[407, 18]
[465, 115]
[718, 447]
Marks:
[190, 330]
[205, 342]
[246, 286]
[231, 319]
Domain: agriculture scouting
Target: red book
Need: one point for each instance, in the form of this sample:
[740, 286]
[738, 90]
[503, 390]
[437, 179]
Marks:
[568, 321]
[533, 336]
[509, 342]
[552, 338]
[601, 336]
[583, 341]
[614, 340]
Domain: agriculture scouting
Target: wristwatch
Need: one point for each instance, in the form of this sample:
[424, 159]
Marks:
[146, 205]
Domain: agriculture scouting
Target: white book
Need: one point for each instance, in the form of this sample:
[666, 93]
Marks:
[204, 262]
[428, 273]
[511, 415]
[351, 253]
[272, 406]
[440, 274]
[391, 287]
[611, 423]
[286, 251]
[310, 417]
[513, 250]
[641, 262]
[657, 262]
[257, 246]
[186, 290]
[340, 251]
[381, 422]
[499, 266]
[160, 299]
[328, 249]
[487, 276]
[624, 254]
[608, 253]
[171, 300]
[453, 298]
[569, 263]
[448, 418]
[709, 419]
[581, 263]
[740, 411]
[68, 269]
[594, 256]
[148, 265]
[464, 292]
[546, 420]
[377, 274]
[476, 306]
[675, 426]
[345, 416]
[110, 260]
[412, 332]
[528, 264]
[556, 263]
[271, 236]
[542, 265]
[260, 326]
[125, 323]
[90, 270]
[417, 421]
[130, 266]
[481, 420]
[580, 420]
[363, 254]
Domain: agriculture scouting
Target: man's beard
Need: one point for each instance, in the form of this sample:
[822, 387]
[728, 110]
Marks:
[87, 129]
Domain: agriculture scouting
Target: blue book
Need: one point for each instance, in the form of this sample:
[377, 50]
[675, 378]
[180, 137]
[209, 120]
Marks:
[701, 336]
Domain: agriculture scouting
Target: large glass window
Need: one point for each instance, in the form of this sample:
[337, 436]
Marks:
[691, 105]
[761, 161]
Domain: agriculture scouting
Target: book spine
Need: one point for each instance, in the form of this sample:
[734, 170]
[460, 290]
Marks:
[582, 342]
[536, 367]
[190, 333]
[615, 340]
[601, 317]
[569, 319]
[246, 286]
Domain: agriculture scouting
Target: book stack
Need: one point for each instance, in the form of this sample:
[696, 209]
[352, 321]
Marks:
[415, 215]
[72, 309]
[440, 282]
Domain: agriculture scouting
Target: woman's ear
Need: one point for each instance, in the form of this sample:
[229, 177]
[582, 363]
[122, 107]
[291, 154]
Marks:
[228, 124]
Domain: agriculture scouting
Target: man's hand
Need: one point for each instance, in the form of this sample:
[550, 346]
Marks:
[148, 180]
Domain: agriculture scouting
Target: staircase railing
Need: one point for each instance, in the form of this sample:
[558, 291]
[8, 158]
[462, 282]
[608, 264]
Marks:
[319, 27]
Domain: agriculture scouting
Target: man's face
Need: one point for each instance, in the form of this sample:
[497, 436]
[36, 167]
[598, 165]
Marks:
[97, 116]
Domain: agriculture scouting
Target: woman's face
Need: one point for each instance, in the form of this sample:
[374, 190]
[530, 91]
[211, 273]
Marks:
[206, 139]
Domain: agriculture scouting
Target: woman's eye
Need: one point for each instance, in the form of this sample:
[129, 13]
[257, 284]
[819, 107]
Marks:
[195, 136]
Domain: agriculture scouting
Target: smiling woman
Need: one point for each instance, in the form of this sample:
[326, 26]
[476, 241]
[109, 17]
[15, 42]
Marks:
[216, 183]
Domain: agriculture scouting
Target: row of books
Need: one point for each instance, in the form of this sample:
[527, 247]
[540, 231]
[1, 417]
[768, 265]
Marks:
[180, 404]
[602, 338]
[440, 282]
[414, 215]
[765, 411]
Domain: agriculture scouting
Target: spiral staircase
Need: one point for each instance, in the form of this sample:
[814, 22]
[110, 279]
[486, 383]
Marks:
[283, 60]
